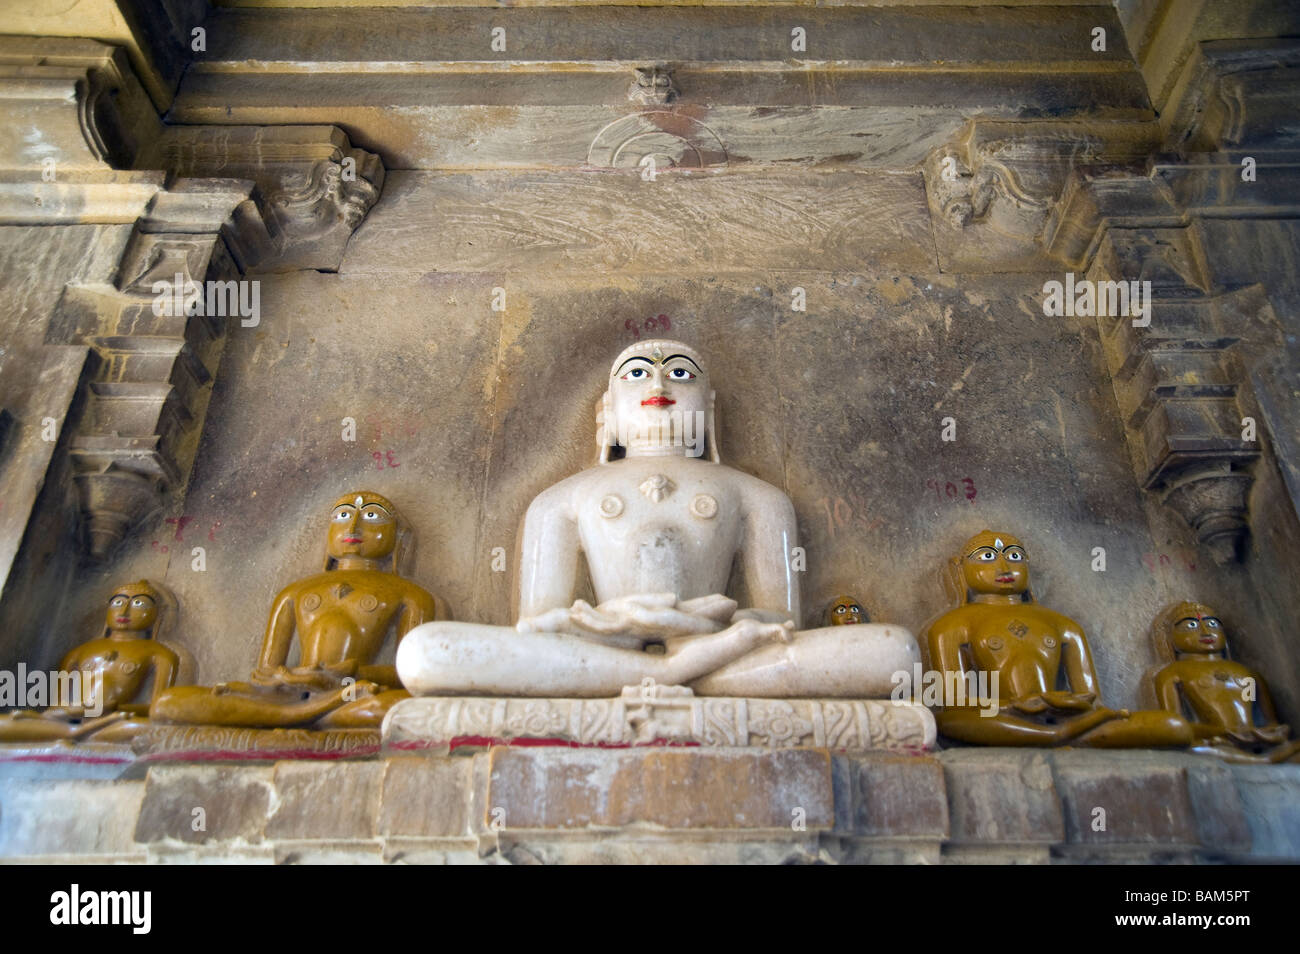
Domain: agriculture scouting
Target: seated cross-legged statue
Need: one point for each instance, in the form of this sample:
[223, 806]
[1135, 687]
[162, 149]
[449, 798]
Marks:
[103, 687]
[661, 522]
[1228, 703]
[1034, 664]
[342, 618]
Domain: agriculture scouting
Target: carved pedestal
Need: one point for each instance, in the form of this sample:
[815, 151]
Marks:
[660, 716]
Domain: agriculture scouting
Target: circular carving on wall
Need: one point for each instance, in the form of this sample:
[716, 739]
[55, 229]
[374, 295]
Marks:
[674, 140]
[611, 505]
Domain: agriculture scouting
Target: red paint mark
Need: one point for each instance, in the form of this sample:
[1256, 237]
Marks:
[68, 759]
[234, 755]
[180, 523]
[383, 458]
[951, 491]
[657, 402]
[656, 324]
[843, 515]
[1156, 560]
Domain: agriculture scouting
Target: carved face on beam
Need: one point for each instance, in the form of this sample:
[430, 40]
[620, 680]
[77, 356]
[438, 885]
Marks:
[995, 563]
[659, 399]
[132, 608]
[362, 524]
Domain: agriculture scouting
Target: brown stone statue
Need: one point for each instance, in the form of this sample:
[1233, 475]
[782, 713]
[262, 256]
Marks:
[845, 611]
[1031, 666]
[98, 690]
[1227, 703]
[342, 618]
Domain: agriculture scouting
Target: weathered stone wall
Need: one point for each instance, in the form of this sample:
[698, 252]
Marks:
[840, 405]
[670, 805]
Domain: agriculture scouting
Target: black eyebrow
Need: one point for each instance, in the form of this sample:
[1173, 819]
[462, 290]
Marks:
[1193, 619]
[635, 357]
[686, 357]
[145, 596]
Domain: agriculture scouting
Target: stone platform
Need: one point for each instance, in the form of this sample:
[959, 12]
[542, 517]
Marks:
[669, 804]
[661, 715]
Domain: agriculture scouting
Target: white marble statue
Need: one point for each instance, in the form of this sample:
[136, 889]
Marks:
[660, 522]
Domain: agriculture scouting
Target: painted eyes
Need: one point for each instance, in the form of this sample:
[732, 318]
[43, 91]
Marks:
[841, 610]
[1212, 623]
[118, 602]
[988, 554]
[371, 514]
[138, 602]
[643, 374]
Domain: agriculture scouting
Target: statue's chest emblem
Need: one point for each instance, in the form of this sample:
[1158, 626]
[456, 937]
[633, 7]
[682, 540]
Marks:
[342, 594]
[657, 487]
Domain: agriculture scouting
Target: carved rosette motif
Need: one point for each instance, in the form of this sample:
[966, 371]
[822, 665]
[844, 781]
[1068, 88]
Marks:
[664, 715]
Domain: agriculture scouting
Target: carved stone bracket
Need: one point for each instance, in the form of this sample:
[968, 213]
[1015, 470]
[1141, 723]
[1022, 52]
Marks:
[225, 202]
[1180, 387]
[313, 187]
[137, 435]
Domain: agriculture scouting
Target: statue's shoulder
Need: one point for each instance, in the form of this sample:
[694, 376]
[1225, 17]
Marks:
[562, 495]
[758, 492]
[954, 620]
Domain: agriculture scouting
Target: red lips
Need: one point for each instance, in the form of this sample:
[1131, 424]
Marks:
[124, 619]
[351, 539]
[1005, 579]
[657, 402]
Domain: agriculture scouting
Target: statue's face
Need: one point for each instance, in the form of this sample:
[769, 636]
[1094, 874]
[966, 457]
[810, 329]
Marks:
[845, 611]
[131, 612]
[995, 563]
[658, 398]
[362, 526]
[1199, 632]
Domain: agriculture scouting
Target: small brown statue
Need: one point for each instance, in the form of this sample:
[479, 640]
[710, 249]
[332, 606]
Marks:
[845, 611]
[1033, 663]
[98, 690]
[342, 618]
[1227, 703]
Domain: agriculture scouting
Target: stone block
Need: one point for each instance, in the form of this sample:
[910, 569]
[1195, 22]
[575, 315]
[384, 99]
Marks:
[426, 798]
[1270, 797]
[81, 817]
[235, 803]
[325, 800]
[1143, 797]
[1001, 797]
[1220, 814]
[672, 788]
[900, 797]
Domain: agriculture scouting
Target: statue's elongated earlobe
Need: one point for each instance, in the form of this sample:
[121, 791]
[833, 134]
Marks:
[606, 429]
[715, 452]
